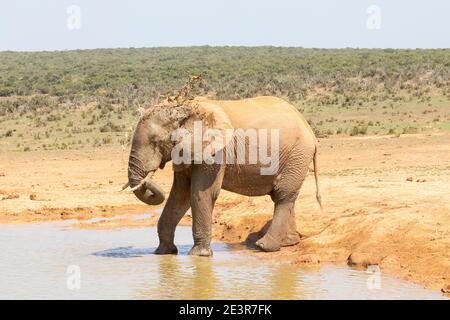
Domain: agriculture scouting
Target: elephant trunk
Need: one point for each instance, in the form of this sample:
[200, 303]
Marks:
[142, 185]
[148, 191]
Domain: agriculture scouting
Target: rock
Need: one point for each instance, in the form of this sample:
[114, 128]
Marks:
[360, 259]
[308, 259]
[446, 289]
[11, 196]
[33, 196]
[409, 179]
[421, 180]
[2, 174]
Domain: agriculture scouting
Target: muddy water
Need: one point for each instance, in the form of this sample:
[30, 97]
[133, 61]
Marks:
[53, 261]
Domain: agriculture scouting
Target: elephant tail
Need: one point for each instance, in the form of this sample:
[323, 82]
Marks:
[316, 177]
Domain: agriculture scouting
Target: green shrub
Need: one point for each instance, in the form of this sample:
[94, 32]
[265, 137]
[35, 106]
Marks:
[110, 127]
[410, 129]
[358, 130]
[107, 140]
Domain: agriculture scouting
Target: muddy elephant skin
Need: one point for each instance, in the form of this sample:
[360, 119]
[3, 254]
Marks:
[197, 184]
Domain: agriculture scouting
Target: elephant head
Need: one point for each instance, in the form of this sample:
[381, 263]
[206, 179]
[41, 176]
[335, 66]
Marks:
[152, 142]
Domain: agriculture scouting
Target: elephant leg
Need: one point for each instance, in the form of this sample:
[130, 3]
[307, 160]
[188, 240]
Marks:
[206, 182]
[175, 208]
[282, 231]
[292, 236]
[277, 231]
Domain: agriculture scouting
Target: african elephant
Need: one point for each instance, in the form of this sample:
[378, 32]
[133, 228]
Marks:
[197, 184]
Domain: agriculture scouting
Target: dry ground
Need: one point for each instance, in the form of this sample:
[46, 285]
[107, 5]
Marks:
[386, 202]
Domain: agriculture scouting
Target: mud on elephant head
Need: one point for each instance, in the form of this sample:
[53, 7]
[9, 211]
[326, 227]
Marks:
[153, 140]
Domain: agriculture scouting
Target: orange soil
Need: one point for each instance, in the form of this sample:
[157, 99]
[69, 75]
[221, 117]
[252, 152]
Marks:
[372, 213]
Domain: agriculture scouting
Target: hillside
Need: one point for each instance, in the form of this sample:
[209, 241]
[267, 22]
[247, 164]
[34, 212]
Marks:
[85, 98]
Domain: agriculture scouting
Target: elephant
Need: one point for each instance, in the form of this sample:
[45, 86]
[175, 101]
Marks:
[197, 184]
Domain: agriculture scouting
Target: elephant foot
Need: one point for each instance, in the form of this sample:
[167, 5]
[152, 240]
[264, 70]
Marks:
[200, 251]
[268, 243]
[166, 249]
[291, 239]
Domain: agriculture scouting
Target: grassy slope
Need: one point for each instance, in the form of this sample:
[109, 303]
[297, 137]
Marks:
[76, 99]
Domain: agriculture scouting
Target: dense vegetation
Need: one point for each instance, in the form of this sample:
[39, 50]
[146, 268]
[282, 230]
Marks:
[230, 71]
[345, 91]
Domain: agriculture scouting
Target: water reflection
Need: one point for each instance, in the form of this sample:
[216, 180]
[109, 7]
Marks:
[184, 277]
[284, 285]
[169, 278]
[204, 279]
[121, 264]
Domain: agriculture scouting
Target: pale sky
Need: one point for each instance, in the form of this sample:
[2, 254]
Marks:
[31, 25]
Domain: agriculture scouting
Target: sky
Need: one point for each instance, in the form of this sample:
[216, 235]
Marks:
[87, 24]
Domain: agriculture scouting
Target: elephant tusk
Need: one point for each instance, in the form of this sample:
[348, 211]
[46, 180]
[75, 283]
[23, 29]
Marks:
[126, 185]
[138, 186]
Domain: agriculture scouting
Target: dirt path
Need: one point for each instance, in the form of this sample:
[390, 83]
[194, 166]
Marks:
[385, 202]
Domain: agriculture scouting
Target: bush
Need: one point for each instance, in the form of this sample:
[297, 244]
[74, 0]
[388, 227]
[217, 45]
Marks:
[358, 130]
[110, 127]
[53, 117]
[410, 129]
[107, 140]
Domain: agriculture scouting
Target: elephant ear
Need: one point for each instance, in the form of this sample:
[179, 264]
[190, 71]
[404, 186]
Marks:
[208, 130]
